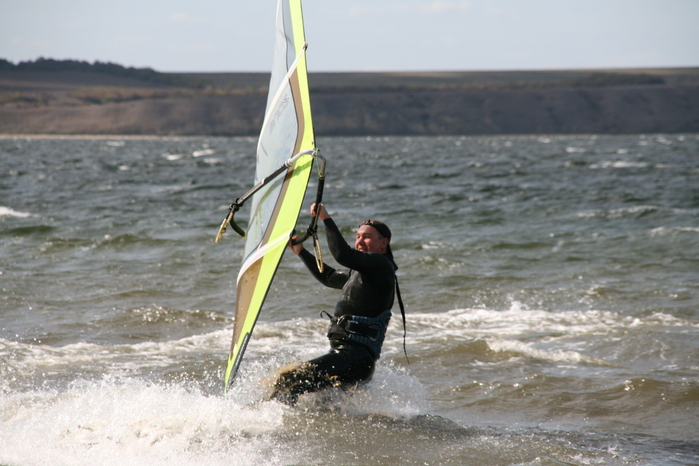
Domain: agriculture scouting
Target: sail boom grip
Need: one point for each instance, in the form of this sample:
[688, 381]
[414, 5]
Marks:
[238, 203]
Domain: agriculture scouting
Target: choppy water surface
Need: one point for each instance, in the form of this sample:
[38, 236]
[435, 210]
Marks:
[552, 287]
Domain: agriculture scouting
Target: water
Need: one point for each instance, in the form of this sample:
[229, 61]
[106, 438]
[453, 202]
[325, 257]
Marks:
[551, 284]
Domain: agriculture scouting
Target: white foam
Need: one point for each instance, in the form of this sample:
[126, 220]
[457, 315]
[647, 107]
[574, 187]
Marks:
[123, 420]
[537, 334]
[116, 143]
[518, 321]
[203, 152]
[619, 164]
[8, 212]
[558, 356]
[392, 393]
[134, 423]
[667, 231]
[277, 343]
[114, 358]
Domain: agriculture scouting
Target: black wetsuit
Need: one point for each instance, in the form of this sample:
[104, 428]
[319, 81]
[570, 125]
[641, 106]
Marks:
[367, 291]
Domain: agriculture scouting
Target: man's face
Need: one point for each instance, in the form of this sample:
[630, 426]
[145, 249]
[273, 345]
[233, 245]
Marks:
[369, 240]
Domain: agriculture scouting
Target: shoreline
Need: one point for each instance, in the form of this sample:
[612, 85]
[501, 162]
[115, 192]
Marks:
[4, 136]
[102, 136]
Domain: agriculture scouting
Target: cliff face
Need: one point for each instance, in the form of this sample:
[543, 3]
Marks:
[205, 115]
[556, 102]
[550, 111]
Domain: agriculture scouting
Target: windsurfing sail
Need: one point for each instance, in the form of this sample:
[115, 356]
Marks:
[285, 155]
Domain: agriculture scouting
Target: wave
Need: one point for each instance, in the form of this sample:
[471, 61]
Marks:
[9, 212]
[28, 231]
[514, 333]
[122, 418]
[162, 402]
[129, 422]
[571, 337]
[203, 152]
[624, 212]
[619, 164]
[118, 421]
[518, 321]
[118, 358]
[673, 231]
[520, 349]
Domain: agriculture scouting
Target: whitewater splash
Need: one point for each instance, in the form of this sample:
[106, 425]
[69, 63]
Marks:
[131, 422]
[122, 417]
[119, 421]
[86, 403]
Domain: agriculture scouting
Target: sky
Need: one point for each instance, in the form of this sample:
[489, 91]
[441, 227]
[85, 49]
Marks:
[358, 35]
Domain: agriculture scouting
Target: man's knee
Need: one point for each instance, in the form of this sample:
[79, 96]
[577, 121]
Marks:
[297, 379]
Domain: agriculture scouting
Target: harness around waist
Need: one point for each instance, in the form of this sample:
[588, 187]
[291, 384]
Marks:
[366, 331]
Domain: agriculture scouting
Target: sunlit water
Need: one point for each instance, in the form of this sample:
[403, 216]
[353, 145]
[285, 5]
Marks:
[551, 284]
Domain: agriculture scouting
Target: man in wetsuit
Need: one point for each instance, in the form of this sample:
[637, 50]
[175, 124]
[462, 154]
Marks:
[358, 328]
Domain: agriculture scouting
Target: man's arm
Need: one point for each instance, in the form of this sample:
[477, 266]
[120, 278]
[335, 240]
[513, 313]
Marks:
[343, 253]
[330, 277]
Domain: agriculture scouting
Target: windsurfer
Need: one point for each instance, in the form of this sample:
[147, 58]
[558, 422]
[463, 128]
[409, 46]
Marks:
[361, 316]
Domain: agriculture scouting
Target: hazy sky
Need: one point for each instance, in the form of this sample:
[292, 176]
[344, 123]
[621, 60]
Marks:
[358, 35]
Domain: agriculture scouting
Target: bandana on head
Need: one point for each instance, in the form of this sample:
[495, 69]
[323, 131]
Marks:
[379, 226]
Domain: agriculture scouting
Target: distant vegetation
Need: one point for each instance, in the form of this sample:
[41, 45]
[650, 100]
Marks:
[617, 79]
[142, 74]
[343, 83]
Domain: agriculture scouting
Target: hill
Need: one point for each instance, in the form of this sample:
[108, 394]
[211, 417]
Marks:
[69, 97]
